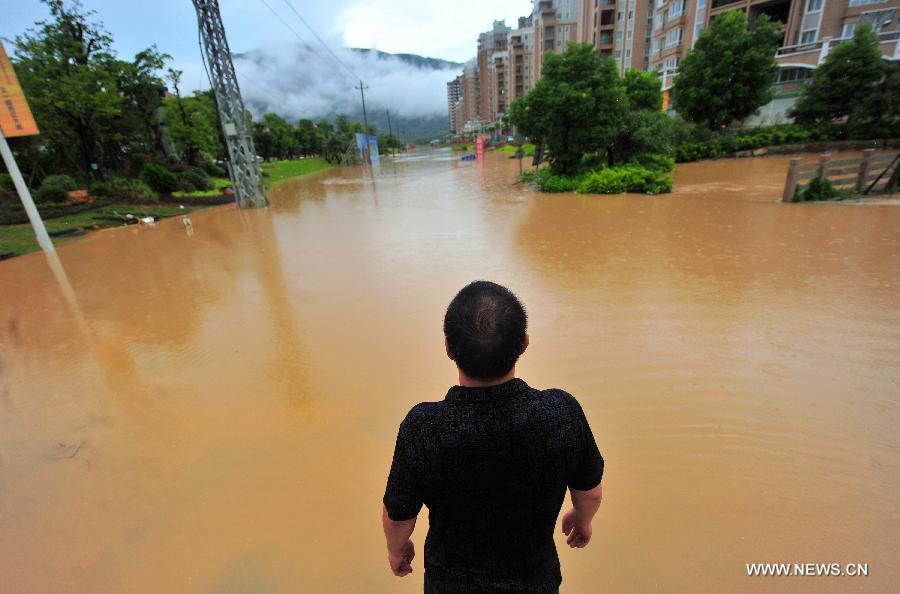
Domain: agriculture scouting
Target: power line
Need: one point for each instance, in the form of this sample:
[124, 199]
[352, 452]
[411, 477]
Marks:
[297, 35]
[325, 45]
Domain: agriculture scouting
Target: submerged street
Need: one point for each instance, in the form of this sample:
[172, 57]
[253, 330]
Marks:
[223, 420]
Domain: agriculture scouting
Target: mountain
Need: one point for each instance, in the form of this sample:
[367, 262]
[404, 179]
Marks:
[414, 60]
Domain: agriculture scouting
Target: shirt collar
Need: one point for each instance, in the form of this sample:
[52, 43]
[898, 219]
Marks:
[495, 392]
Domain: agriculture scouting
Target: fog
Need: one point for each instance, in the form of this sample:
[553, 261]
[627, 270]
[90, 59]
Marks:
[299, 81]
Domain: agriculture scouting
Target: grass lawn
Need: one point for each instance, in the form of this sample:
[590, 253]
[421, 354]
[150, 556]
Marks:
[281, 170]
[20, 238]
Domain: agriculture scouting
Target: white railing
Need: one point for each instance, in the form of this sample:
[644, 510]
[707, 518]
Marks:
[817, 46]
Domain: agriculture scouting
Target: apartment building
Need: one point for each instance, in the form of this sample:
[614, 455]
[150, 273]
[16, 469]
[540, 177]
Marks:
[455, 104]
[655, 35]
[521, 58]
[492, 62]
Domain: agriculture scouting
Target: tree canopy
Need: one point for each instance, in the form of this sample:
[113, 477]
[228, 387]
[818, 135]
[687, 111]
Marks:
[853, 81]
[729, 72]
[584, 113]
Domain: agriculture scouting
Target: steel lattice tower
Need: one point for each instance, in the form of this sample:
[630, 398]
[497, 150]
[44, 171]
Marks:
[244, 170]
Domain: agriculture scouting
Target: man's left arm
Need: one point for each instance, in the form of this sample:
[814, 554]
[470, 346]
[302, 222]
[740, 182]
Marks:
[401, 550]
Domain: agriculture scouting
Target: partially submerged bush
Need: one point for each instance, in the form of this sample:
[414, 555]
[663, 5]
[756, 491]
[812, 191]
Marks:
[627, 178]
[820, 189]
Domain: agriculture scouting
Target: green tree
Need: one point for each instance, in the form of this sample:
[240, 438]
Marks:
[576, 109]
[192, 126]
[853, 81]
[729, 72]
[67, 68]
[644, 90]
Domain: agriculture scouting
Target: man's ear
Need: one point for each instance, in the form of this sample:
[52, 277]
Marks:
[525, 344]
[447, 348]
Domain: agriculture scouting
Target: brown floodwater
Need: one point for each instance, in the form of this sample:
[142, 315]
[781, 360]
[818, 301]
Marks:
[221, 416]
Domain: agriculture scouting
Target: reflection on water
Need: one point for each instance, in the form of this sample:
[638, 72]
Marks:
[227, 423]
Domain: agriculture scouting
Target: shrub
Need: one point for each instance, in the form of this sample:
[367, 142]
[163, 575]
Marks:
[550, 182]
[159, 178]
[51, 194]
[125, 189]
[819, 189]
[527, 177]
[193, 180]
[655, 162]
[213, 170]
[6, 182]
[626, 178]
[64, 182]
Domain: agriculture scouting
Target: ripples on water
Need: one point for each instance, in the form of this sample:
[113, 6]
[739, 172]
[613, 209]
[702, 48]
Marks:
[226, 421]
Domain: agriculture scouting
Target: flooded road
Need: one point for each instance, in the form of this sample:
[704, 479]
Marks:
[224, 419]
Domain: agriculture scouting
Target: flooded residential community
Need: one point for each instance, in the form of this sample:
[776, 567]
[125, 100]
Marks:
[372, 297]
[224, 418]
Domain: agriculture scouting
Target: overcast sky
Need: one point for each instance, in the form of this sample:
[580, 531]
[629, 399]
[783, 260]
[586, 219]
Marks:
[434, 28]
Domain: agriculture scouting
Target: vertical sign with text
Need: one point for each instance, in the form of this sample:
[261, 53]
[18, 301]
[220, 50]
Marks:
[15, 116]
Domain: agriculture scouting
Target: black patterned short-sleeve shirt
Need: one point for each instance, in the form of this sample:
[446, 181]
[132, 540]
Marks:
[492, 465]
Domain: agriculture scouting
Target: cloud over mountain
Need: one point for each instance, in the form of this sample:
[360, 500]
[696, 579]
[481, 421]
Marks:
[299, 81]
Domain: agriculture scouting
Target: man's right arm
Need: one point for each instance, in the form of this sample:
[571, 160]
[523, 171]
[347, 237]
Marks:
[576, 523]
[584, 482]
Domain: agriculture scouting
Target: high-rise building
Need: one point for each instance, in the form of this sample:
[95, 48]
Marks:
[655, 35]
[455, 104]
[492, 59]
[556, 23]
[521, 59]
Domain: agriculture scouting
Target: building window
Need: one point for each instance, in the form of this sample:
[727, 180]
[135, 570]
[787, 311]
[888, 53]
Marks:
[794, 74]
[813, 5]
[877, 19]
[673, 37]
[619, 16]
[629, 35]
[865, 2]
[697, 29]
[702, 3]
[630, 14]
[808, 37]
[848, 29]
[618, 36]
[660, 15]
[618, 53]
[677, 9]
[627, 53]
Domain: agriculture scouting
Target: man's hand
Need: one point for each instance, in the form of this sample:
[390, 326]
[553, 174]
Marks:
[400, 561]
[578, 530]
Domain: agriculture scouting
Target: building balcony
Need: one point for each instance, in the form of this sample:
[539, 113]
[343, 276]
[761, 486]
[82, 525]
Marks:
[720, 3]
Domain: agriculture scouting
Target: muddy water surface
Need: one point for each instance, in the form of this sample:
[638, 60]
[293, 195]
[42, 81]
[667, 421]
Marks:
[224, 419]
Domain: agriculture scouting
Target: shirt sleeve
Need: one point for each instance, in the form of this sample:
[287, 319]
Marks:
[403, 497]
[587, 470]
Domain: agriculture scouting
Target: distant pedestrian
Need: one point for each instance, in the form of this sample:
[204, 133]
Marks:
[492, 462]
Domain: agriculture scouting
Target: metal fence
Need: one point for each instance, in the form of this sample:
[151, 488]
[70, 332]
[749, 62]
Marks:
[870, 172]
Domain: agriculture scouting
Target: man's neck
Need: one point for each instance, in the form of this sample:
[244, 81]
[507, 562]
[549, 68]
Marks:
[468, 382]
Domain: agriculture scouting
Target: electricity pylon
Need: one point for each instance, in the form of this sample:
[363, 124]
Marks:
[242, 165]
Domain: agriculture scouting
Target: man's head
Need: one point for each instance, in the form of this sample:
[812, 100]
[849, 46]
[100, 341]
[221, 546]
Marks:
[485, 328]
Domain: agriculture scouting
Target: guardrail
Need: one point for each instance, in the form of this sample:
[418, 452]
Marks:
[858, 174]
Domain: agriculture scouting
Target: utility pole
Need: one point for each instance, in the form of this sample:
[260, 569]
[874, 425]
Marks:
[390, 130]
[245, 173]
[362, 93]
